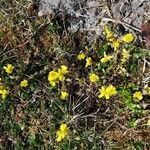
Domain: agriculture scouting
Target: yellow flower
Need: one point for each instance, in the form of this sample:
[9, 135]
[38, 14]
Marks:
[89, 62]
[81, 56]
[93, 77]
[8, 68]
[24, 83]
[138, 96]
[107, 92]
[3, 93]
[53, 83]
[106, 58]
[62, 71]
[128, 38]
[64, 95]
[116, 44]
[62, 132]
[53, 77]
[60, 75]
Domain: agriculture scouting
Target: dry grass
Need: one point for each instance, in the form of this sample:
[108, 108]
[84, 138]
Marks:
[31, 116]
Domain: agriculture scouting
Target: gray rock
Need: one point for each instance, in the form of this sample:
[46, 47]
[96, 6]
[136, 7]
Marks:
[86, 14]
[83, 14]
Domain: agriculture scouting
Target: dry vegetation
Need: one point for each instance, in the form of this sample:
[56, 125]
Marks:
[60, 92]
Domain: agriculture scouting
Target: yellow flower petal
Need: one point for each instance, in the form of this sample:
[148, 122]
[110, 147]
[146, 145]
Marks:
[116, 44]
[138, 96]
[24, 83]
[111, 90]
[59, 136]
[61, 76]
[52, 76]
[107, 96]
[52, 83]
[89, 62]
[64, 95]
[102, 92]
[62, 132]
[107, 92]
[3, 93]
[81, 56]
[63, 127]
[8, 68]
[64, 69]
[93, 77]
[106, 58]
[128, 38]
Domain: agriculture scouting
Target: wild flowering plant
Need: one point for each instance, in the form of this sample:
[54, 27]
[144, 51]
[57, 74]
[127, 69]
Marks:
[128, 38]
[89, 62]
[107, 91]
[106, 58]
[111, 56]
[62, 71]
[137, 96]
[116, 44]
[81, 56]
[24, 83]
[64, 95]
[55, 76]
[125, 55]
[93, 77]
[3, 92]
[8, 68]
[62, 132]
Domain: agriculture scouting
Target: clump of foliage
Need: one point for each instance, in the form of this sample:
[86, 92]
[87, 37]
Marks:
[56, 94]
